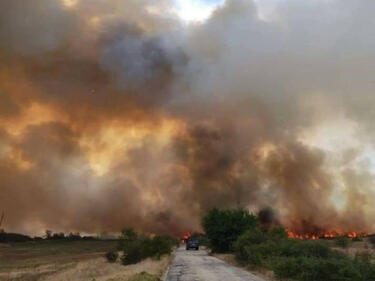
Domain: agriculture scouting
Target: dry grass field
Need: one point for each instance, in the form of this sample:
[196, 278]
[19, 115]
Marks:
[68, 260]
[356, 248]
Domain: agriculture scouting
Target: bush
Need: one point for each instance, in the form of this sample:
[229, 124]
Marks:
[134, 253]
[342, 242]
[128, 236]
[257, 254]
[259, 247]
[161, 246]
[137, 248]
[303, 260]
[317, 269]
[253, 236]
[371, 239]
[277, 234]
[304, 248]
[223, 227]
[245, 246]
[111, 256]
[357, 239]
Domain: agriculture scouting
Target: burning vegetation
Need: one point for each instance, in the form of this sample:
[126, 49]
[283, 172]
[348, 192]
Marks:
[325, 235]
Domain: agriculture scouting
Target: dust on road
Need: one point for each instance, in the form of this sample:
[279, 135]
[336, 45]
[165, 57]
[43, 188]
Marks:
[199, 266]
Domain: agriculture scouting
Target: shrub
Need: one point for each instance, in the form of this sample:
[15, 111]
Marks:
[287, 268]
[128, 236]
[371, 239]
[136, 248]
[304, 248]
[258, 247]
[244, 246]
[253, 236]
[277, 234]
[111, 256]
[368, 271]
[342, 242]
[133, 253]
[223, 227]
[357, 239]
[317, 269]
[257, 254]
[161, 245]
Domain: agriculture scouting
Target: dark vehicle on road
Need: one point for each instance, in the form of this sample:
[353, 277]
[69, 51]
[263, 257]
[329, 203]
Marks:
[192, 244]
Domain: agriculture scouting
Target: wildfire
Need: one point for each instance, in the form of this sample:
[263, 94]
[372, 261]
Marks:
[327, 235]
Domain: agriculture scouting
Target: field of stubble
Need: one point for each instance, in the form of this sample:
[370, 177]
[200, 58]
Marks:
[68, 260]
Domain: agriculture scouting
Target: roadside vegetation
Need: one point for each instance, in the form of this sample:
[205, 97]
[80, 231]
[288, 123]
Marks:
[238, 232]
[135, 247]
[372, 240]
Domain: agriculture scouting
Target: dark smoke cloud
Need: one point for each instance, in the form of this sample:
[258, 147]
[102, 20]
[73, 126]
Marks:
[34, 27]
[114, 113]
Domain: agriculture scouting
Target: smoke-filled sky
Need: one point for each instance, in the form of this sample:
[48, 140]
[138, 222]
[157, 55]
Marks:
[147, 113]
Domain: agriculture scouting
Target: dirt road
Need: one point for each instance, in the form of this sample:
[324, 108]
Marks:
[198, 266]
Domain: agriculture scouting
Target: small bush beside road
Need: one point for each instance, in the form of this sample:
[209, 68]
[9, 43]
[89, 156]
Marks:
[372, 240]
[137, 248]
[111, 256]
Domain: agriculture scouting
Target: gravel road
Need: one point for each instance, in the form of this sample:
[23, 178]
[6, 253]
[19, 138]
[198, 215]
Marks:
[198, 266]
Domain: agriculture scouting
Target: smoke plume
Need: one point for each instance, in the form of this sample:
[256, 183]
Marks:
[117, 113]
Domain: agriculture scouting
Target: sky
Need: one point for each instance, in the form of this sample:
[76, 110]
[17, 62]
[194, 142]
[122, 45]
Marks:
[146, 114]
[196, 10]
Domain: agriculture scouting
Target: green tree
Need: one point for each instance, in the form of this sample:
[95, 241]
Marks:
[48, 234]
[223, 227]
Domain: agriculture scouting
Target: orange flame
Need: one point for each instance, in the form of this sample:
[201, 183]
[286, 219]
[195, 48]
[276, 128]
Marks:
[186, 236]
[330, 234]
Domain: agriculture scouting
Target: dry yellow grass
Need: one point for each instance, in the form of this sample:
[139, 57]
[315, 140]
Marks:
[354, 248]
[73, 261]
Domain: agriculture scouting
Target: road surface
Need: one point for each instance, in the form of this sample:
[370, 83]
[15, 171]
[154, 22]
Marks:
[198, 266]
